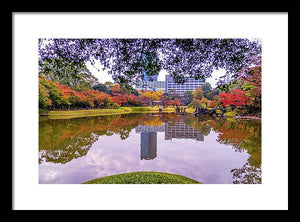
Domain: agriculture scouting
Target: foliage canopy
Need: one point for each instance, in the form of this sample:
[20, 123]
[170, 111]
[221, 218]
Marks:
[123, 58]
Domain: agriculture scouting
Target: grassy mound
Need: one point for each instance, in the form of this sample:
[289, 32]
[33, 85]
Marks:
[143, 177]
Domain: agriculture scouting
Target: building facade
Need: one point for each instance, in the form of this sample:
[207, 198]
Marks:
[190, 84]
[151, 85]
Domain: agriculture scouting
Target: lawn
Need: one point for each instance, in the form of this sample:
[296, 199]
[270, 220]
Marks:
[143, 177]
[67, 114]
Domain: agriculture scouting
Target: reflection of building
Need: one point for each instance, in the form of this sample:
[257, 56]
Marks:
[172, 130]
[190, 84]
[149, 140]
[141, 128]
[148, 145]
[179, 131]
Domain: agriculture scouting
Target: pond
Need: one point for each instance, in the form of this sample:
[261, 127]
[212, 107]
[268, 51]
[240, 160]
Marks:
[209, 150]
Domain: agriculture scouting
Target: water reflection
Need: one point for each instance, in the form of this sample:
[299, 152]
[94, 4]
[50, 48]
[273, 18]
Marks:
[177, 130]
[148, 145]
[149, 140]
[168, 140]
[180, 130]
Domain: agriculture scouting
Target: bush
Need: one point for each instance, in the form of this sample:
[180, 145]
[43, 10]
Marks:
[113, 106]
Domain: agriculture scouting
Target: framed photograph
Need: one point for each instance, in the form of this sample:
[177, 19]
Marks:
[150, 111]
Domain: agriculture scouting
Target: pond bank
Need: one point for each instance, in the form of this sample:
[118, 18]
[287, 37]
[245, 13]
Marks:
[230, 114]
[248, 117]
[67, 114]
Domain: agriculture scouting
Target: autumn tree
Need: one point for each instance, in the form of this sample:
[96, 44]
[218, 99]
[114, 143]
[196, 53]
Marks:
[198, 93]
[252, 85]
[235, 97]
[132, 100]
[153, 95]
[176, 103]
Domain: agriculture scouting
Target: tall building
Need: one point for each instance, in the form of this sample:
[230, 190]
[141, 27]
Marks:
[147, 78]
[190, 84]
[149, 82]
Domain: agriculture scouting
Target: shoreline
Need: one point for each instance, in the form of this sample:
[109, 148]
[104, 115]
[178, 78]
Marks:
[68, 114]
[248, 117]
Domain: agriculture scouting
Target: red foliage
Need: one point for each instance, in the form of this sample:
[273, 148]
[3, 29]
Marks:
[70, 98]
[174, 102]
[119, 99]
[235, 97]
[116, 89]
[133, 99]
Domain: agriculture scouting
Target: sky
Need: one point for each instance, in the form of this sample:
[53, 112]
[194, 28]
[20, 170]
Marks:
[103, 76]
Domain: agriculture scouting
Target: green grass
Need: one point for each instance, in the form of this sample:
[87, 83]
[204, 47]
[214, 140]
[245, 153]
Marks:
[190, 110]
[67, 114]
[84, 113]
[140, 109]
[165, 110]
[143, 177]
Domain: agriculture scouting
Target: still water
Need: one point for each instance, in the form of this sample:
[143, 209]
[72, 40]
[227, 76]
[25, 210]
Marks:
[211, 151]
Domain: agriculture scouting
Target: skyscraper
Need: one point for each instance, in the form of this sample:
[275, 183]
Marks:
[149, 82]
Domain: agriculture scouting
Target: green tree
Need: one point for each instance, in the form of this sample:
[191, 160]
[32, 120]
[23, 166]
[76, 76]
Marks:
[101, 87]
[189, 96]
[75, 75]
[44, 98]
[54, 94]
[206, 88]
[109, 85]
[213, 93]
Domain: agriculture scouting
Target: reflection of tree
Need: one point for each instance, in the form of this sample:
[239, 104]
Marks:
[68, 150]
[152, 121]
[171, 118]
[203, 127]
[241, 135]
[247, 174]
[61, 141]
[198, 124]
